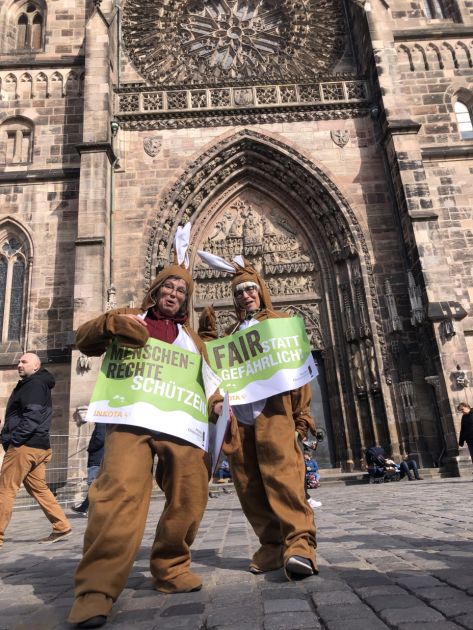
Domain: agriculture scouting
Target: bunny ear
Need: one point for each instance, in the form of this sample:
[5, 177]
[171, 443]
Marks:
[215, 262]
[240, 261]
[181, 244]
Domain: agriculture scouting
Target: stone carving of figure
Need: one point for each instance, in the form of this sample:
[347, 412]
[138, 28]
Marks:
[357, 368]
[251, 230]
[371, 362]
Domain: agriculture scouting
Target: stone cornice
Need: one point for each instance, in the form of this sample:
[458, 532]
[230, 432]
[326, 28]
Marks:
[440, 153]
[145, 122]
[39, 175]
[453, 31]
[97, 147]
[89, 240]
[29, 63]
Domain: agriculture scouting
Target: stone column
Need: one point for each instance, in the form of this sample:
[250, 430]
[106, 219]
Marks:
[92, 259]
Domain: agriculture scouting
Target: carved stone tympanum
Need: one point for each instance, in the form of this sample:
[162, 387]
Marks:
[264, 234]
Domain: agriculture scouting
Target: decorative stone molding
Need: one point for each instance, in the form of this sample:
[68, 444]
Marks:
[152, 145]
[20, 86]
[139, 108]
[178, 41]
[436, 55]
[340, 137]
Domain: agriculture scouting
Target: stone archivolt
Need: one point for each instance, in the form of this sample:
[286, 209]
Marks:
[206, 194]
[207, 41]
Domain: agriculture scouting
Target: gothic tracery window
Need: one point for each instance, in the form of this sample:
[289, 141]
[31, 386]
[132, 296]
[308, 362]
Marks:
[30, 23]
[464, 120]
[13, 275]
[16, 141]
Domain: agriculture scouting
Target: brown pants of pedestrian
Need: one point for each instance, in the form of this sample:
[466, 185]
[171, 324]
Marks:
[119, 503]
[268, 471]
[26, 465]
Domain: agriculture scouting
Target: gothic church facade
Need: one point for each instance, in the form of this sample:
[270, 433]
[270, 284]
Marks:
[329, 141]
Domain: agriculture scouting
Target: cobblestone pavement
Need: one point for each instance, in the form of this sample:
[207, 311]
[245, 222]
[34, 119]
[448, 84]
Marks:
[397, 555]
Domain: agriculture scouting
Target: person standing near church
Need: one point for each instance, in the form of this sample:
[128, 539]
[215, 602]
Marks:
[120, 496]
[466, 429]
[267, 465]
[25, 439]
[95, 451]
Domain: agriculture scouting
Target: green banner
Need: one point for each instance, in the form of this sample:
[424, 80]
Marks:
[262, 360]
[158, 387]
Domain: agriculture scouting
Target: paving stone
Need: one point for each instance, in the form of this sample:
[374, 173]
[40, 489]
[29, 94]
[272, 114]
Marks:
[344, 611]
[440, 625]
[285, 605]
[292, 620]
[381, 602]
[466, 621]
[437, 593]
[335, 598]
[355, 624]
[454, 606]
[394, 616]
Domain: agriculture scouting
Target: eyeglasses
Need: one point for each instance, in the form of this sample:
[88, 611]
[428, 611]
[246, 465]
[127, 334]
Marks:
[169, 288]
[250, 290]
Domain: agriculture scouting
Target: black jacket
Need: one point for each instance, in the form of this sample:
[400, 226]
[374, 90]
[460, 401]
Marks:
[96, 445]
[29, 412]
[466, 430]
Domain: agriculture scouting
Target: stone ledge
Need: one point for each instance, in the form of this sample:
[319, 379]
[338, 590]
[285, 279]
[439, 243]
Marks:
[429, 32]
[443, 152]
[39, 175]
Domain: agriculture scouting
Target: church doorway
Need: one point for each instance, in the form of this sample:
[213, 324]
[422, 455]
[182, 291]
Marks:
[255, 196]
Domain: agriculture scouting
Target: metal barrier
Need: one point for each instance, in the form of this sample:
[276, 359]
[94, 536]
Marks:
[66, 473]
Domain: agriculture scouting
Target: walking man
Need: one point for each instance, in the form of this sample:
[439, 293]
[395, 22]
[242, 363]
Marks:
[466, 429]
[25, 438]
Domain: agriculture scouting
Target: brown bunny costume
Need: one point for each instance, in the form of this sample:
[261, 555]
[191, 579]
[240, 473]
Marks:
[120, 496]
[266, 463]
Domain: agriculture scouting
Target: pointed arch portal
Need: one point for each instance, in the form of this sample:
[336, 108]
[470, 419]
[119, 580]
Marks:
[251, 194]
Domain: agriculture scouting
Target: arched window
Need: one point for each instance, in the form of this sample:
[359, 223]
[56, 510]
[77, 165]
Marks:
[29, 27]
[16, 141]
[14, 254]
[464, 122]
[441, 10]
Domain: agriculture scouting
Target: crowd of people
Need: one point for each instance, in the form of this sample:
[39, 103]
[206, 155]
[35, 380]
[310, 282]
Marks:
[266, 454]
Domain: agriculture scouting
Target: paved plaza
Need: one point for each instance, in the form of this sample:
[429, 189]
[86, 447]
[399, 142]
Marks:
[395, 555]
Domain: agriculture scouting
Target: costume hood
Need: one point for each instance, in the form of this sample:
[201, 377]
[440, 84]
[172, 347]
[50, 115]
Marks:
[179, 268]
[242, 272]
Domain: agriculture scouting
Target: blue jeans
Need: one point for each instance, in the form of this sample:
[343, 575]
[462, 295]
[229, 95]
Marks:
[407, 467]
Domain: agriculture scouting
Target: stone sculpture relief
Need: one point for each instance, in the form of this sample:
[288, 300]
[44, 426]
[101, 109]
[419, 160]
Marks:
[269, 242]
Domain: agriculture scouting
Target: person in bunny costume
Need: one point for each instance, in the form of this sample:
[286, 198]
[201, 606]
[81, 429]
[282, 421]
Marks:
[120, 496]
[267, 465]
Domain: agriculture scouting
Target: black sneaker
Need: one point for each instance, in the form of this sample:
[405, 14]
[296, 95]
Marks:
[94, 622]
[79, 510]
[298, 568]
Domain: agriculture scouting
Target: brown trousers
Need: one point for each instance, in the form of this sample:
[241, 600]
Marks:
[119, 503]
[26, 465]
[268, 471]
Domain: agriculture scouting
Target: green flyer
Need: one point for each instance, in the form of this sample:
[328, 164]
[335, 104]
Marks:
[158, 387]
[262, 360]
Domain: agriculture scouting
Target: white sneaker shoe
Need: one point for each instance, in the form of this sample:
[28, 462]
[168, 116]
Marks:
[314, 504]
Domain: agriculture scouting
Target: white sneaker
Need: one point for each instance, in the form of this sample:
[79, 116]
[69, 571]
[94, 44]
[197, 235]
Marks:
[314, 504]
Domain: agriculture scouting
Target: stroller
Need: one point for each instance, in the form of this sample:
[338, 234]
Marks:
[380, 468]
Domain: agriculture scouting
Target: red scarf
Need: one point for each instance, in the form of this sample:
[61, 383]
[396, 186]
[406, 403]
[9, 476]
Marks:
[162, 327]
